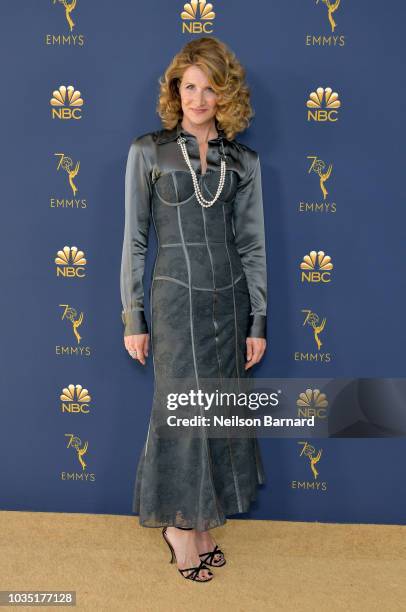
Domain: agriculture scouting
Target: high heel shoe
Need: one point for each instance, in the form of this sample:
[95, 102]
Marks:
[209, 560]
[194, 571]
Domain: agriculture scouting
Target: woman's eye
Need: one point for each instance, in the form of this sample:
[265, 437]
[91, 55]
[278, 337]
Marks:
[209, 88]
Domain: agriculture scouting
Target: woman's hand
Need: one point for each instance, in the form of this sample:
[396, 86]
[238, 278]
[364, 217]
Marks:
[255, 350]
[139, 345]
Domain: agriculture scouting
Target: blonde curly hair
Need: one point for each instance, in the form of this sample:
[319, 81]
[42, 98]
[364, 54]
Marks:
[226, 76]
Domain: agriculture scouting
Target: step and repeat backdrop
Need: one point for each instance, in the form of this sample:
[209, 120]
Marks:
[80, 81]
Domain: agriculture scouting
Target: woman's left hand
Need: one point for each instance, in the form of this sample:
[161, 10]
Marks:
[255, 351]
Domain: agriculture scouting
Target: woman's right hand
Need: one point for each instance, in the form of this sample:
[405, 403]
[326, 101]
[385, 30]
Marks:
[139, 345]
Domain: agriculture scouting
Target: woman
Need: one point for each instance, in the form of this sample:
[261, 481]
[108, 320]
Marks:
[202, 189]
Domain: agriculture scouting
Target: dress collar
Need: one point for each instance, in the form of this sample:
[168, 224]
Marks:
[166, 135]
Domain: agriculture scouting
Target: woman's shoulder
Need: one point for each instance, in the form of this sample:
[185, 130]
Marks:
[143, 145]
[148, 140]
[249, 156]
[244, 148]
[144, 139]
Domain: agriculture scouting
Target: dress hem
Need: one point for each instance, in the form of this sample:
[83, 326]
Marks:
[246, 509]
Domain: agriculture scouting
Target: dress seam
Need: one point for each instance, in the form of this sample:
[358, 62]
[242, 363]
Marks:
[194, 356]
[151, 321]
[179, 244]
[236, 484]
[176, 280]
[215, 324]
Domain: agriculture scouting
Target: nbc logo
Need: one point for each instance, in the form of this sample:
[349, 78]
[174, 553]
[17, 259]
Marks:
[70, 262]
[197, 17]
[66, 103]
[75, 399]
[312, 403]
[322, 105]
[316, 267]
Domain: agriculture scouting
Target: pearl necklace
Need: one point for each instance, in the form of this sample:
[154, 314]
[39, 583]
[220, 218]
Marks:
[206, 203]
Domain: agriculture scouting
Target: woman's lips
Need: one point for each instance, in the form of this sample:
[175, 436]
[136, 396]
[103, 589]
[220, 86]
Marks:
[197, 110]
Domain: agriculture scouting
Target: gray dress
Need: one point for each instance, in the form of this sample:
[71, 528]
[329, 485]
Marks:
[208, 293]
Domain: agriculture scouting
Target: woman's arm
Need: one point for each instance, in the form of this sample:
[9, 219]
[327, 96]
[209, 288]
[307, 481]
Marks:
[136, 228]
[249, 232]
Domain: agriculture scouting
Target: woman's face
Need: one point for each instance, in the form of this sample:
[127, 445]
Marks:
[199, 102]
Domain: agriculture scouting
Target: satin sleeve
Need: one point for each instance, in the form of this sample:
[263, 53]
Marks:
[135, 242]
[249, 231]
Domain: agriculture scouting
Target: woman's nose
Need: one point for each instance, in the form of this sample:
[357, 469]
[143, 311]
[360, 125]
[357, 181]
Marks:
[200, 97]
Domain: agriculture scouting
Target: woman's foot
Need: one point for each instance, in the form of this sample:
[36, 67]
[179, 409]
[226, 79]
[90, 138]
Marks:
[186, 551]
[206, 544]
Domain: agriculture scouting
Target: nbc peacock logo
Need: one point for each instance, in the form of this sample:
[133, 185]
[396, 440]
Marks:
[197, 17]
[66, 103]
[312, 403]
[70, 263]
[75, 399]
[323, 104]
[316, 267]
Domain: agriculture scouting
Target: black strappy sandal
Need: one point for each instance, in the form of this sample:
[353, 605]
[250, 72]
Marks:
[209, 560]
[194, 571]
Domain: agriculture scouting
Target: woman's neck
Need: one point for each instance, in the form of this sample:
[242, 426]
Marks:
[203, 133]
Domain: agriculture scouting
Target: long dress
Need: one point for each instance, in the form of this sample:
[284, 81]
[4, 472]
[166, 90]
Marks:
[208, 294]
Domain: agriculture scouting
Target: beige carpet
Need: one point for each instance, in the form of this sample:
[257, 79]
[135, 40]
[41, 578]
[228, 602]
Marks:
[114, 564]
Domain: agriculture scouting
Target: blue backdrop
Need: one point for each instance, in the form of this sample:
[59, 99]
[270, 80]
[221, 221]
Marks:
[62, 324]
